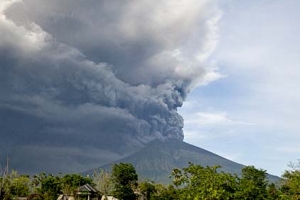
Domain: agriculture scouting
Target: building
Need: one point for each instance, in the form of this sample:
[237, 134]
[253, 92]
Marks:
[87, 192]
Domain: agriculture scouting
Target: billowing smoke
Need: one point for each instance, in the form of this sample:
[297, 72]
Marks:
[85, 82]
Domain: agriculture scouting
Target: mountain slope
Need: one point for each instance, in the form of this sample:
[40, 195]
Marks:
[157, 160]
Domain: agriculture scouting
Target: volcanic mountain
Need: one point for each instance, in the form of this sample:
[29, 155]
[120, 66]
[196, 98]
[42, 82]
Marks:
[157, 160]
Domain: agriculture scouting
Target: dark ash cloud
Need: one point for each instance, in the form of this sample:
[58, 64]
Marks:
[84, 83]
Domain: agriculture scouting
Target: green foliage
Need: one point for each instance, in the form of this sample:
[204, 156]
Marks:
[4, 183]
[291, 182]
[70, 182]
[210, 183]
[273, 192]
[47, 186]
[124, 178]
[205, 183]
[19, 184]
[14, 185]
[253, 184]
[147, 189]
[194, 182]
[178, 177]
[38, 179]
[4, 187]
[165, 193]
[50, 187]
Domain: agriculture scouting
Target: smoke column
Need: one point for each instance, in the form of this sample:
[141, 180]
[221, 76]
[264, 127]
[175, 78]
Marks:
[83, 83]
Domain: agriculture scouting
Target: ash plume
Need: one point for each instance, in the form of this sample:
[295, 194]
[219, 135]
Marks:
[85, 82]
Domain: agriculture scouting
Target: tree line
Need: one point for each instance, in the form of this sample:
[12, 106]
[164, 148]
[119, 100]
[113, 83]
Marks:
[194, 182]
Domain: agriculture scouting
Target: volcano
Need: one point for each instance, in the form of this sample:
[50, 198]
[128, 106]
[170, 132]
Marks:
[157, 160]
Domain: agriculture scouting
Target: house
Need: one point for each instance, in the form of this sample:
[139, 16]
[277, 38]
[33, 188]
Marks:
[87, 192]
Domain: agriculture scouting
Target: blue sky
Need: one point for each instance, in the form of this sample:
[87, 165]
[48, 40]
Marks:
[251, 114]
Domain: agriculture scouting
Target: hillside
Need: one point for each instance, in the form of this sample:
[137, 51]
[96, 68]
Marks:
[156, 160]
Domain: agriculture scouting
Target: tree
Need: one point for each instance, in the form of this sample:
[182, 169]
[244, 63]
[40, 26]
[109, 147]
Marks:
[178, 177]
[46, 186]
[165, 193]
[37, 180]
[102, 179]
[204, 183]
[147, 189]
[19, 184]
[291, 181]
[273, 192]
[51, 187]
[253, 184]
[4, 183]
[124, 178]
[70, 182]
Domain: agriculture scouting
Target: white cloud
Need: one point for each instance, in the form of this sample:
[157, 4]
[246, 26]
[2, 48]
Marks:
[6, 4]
[211, 76]
[212, 118]
[25, 39]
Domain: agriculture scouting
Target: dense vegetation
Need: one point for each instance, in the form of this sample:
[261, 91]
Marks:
[194, 182]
